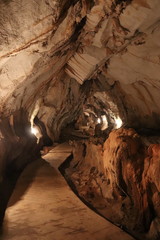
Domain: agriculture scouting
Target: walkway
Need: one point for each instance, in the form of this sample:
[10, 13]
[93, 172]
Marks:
[44, 208]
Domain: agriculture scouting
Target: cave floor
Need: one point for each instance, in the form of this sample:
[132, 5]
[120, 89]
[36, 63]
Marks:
[44, 207]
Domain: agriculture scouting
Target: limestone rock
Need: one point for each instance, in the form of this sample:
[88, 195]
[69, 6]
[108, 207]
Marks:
[121, 180]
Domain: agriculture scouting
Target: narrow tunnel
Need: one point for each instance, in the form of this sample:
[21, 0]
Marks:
[79, 119]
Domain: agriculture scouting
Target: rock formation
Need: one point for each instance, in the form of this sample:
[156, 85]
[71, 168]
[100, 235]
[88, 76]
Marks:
[83, 68]
[120, 180]
[18, 147]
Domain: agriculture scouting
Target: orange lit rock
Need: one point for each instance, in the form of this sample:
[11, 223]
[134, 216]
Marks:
[121, 180]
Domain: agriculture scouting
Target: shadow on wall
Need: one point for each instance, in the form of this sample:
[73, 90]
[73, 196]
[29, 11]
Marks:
[6, 1]
[18, 147]
[25, 181]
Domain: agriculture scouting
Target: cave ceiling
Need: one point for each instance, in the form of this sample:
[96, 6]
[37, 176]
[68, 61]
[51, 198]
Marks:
[57, 55]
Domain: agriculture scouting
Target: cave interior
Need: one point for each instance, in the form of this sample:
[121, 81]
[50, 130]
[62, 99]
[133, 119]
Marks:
[85, 72]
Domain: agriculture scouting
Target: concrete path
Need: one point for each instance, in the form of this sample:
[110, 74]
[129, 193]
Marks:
[44, 208]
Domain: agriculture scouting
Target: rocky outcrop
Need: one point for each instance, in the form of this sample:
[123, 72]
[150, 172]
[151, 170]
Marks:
[120, 180]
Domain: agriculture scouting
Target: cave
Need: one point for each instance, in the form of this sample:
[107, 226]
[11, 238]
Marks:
[84, 73]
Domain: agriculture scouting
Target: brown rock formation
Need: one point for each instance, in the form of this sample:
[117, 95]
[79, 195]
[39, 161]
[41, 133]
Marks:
[120, 179]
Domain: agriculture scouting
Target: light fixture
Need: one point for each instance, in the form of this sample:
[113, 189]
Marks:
[118, 122]
[34, 131]
[98, 120]
[37, 132]
[105, 122]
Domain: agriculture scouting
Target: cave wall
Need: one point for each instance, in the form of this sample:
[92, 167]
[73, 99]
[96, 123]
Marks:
[59, 57]
[18, 148]
[120, 180]
[115, 42]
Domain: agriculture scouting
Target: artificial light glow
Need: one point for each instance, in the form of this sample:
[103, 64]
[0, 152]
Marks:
[98, 120]
[118, 122]
[34, 131]
[105, 122]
